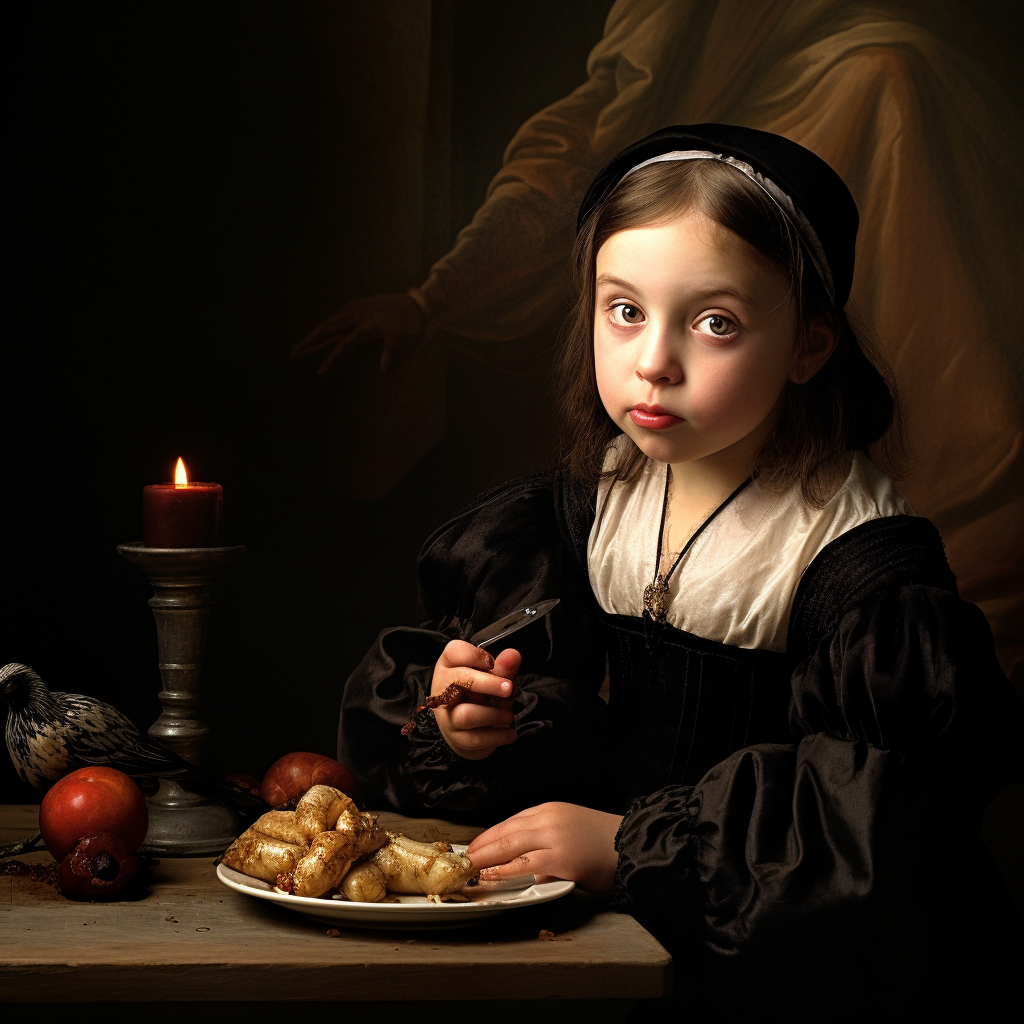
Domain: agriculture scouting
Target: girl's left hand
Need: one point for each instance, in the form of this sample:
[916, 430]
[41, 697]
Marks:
[554, 839]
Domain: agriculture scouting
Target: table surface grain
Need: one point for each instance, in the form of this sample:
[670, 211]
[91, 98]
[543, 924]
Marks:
[187, 937]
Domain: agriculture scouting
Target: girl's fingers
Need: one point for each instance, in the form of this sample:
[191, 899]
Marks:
[477, 716]
[497, 832]
[487, 700]
[559, 839]
[470, 667]
[508, 847]
[525, 864]
[480, 717]
[528, 864]
[461, 654]
[478, 685]
[473, 740]
[486, 839]
[507, 663]
[541, 863]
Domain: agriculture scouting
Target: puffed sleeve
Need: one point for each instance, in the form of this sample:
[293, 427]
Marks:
[862, 833]
[503, 552]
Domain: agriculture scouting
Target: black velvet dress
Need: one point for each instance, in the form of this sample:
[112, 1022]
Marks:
[792, 822]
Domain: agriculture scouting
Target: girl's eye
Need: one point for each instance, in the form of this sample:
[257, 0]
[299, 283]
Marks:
[716, 325]
[626, 315]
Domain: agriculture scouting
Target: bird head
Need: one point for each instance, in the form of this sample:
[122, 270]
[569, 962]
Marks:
[18, 684]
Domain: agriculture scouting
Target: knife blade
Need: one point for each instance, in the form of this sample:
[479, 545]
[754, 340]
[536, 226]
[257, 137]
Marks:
[504, 627]
[512, 622]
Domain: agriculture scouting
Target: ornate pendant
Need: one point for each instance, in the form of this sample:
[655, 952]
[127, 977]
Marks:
[656, 598]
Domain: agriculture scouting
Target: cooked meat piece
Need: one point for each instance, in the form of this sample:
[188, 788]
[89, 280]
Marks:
[261, 856]
[333, 853]
[319, 808]
[364, 883]
[281, 825]
[426, 868]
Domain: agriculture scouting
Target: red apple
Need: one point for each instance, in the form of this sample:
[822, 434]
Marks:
[92, 800]
[290, 776]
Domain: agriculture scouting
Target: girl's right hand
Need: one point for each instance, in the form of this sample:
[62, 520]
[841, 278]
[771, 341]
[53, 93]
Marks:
[481, 719]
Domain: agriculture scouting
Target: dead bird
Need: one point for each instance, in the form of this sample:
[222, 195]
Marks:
[50, 734]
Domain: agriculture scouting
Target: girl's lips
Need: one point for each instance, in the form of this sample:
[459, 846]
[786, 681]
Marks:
[653, 417]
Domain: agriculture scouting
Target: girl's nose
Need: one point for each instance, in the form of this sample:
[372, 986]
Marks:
[658, 362]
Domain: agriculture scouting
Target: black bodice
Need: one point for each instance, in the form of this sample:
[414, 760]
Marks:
[814, 811]
[712, 699]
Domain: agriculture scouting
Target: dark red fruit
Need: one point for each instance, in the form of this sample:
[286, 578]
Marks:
[90, 801]
[246, 782]
[290, 776]
[98, 868]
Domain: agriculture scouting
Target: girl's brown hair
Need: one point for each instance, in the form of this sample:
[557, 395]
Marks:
[849, 403]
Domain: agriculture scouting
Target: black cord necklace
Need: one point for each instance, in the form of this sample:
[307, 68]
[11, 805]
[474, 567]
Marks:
[656, 596]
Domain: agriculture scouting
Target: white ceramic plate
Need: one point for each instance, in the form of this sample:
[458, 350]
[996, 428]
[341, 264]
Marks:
[410, 912]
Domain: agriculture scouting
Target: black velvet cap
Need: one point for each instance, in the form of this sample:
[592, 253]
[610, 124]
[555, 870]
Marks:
[816, 190]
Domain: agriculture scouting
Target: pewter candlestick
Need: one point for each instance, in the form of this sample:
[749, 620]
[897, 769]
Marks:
[182, 823]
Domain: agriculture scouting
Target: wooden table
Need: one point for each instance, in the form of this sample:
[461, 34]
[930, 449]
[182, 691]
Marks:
[188, 939]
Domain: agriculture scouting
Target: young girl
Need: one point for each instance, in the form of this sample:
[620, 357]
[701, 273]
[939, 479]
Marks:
[804, 720]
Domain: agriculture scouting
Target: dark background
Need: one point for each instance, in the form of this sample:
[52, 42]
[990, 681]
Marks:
[193, 193]
[192, 187]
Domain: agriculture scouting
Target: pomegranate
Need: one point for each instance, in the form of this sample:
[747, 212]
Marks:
[98, 868]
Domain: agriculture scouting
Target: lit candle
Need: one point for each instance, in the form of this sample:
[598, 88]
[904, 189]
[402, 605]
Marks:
[182, 514]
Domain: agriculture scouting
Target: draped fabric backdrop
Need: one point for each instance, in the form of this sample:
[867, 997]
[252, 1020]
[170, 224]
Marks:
[929, 143]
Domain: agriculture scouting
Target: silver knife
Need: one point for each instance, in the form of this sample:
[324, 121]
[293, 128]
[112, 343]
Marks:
[510, 623]
[496, 631]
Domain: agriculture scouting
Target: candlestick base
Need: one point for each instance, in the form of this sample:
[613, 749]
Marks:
[183, 823]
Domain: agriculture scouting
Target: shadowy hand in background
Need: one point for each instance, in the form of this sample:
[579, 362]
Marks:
[397, 320]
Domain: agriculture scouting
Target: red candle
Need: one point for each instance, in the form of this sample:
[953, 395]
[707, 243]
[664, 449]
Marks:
[182, 514]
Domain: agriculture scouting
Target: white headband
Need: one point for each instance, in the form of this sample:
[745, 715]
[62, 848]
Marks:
[806, 233]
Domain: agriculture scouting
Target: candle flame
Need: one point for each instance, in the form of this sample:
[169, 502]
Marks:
[180, 476]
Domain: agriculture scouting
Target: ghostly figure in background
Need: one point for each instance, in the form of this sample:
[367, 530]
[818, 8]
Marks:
[930, 148]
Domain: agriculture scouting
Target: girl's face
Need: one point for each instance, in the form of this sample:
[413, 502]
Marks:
[694, 339]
